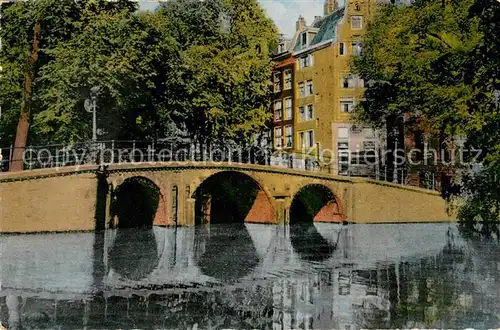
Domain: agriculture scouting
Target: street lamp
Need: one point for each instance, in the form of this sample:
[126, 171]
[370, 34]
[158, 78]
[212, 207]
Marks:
[395, 179]
[90, 106]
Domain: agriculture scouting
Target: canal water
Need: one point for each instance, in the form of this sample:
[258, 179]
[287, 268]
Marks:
[321, 276]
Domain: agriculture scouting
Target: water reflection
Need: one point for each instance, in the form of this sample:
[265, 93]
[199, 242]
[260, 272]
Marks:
[225, 252]
[309, 243]
[134, 253]
[453, 285]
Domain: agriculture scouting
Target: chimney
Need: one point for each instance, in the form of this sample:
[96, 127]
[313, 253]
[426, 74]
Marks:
[330, 6]
[301, 24]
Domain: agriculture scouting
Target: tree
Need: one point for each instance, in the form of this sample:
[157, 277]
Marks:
[225, 65]
[25, 36]
[33, 34]
[115, 51]
[436, 66]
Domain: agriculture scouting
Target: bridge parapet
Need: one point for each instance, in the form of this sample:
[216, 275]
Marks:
[66, 199]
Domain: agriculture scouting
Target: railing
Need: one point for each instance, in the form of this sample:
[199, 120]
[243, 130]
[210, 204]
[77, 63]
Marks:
[118, 152]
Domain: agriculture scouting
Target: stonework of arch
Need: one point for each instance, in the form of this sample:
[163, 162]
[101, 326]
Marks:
[332, 211]
[262, 209]
[161, 217]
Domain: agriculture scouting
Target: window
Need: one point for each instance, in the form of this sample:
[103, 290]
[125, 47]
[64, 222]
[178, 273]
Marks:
[278, 112]
[278, 137]
[306, 61]
[343, 156]
[350, 81]
[302, 113]
[306, 139]
[357, 47]
[346, 104]
[277, 82]
[302, 89]
[310, 137]
[342, 48]
[356, 22]
[288, 79]
[303, 39]
[288, 108]
[288, 136]
[306, 113]
[309, 89]
[281, 48]
[310, 112]
[343, 133]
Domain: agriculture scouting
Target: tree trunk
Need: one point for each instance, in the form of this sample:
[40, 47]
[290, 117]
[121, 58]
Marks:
[17, 162]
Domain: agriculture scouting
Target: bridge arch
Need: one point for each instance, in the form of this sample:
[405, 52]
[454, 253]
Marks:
[232, 197]
[138, 202]
[315, 203]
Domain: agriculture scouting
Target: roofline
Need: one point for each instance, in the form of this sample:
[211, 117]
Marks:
[315, 47]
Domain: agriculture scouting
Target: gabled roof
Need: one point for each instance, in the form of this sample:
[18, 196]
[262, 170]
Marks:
[298, 43]
[328, 27]
[325, 30]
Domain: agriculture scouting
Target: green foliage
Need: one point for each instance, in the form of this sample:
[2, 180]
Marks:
[435, 64]
[225, 66]
[193, 68]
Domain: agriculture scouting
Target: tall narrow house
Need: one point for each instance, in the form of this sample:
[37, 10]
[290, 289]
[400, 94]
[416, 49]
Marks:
[325, 92]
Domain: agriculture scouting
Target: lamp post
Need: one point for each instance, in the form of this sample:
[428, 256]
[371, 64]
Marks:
[90, 106]
[395, 177]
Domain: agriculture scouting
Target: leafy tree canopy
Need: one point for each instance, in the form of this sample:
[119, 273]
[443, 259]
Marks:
[434, 65]
[198, 69]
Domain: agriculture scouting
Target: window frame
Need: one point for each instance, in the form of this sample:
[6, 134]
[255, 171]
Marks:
[309, 116]
[307, 138]
[302, 113]
[288, 79]
[357, 17]
[347, 101]
[277, 82]
[302, 35]
[309, 88]
[311, 138]
[288, 136]
[288, 109]
[278, 110]
[355, 45]
[278, 137]
[302, 89]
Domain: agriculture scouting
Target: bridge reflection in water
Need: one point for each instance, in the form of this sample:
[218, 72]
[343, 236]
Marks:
[250, 276]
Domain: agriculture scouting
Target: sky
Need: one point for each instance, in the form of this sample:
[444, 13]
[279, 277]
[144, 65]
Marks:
[283, 12]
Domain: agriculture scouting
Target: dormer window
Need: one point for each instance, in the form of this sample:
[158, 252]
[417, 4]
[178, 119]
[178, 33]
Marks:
[303, 39]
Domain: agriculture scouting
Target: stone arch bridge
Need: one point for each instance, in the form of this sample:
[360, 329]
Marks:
[188, 193]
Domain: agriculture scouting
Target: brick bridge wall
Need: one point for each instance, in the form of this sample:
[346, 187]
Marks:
[65, 199]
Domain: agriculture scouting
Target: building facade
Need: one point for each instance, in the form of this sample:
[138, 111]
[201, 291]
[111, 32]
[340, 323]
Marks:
[283, 98]
[325, 92]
